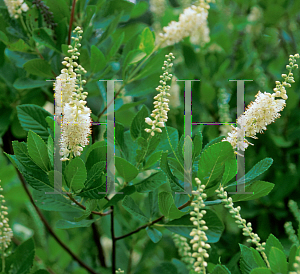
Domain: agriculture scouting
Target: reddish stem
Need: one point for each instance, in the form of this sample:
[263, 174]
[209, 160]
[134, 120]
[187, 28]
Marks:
[71, 21]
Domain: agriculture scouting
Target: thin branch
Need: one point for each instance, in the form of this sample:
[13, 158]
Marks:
[96, 237]
[113, 240]
[83, 207]
[102, 112]
[62, 244]
[153, 222]
[71, 21]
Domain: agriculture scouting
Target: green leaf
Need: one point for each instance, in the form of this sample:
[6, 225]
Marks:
[292, 255]
[175, 185]
[138, 123]
[21, 260]
[258, 188]
[165, 268]
[42, 37]
[261, 270]
[98, 61]
[247, 262]
[154, 234]
[38, 67]
[38, 151]
[126, 169]
[153, 203]
[147, 41]
[116, 46]
[59, 8]
[50, 122]
[277, 260]
[95, 173]
[130, 105]
[212, 142]
[20, 45]
[151, 183]
[272, 241]
[41, 271]
[130, 205]
[212, 162]
[111, 28]
[33, 117]
[21, 153]
[65, 224]
[95, 155]
[50, 148]
[132, 57]
[34, 176]
[90, 10]
[184, 226]
[28, 83]
[96, 182]
[169, 140]
[258, 259]
[153, 65]
[4, 38]
[139, 9]
[142, 150]
[178, 169]
[75, 174]
[257, 170]
[167, 206]
[220, 269]
[153, 159]
[54, 202]
[119, 137]
[230, 170]
[197, 141]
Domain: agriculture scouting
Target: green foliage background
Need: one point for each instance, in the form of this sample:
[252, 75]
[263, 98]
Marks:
[238, 49]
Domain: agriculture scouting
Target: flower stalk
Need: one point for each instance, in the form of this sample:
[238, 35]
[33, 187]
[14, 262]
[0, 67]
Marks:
[6, 232]
[199, 237]
[247, 228]
[161, 106]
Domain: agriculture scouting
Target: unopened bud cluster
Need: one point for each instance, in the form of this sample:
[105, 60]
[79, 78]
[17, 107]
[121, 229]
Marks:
[184, 250]
[263, 111]
[161, 103]
[295, 210]
[199, 237]
[296, 265]
[76, 123]
[291, 233]
[119, 271]
[47, 14]
[6, 232]
[235, 213]
[16, 7]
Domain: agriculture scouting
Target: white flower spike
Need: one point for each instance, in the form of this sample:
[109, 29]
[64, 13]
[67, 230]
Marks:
[6, 232]
[76, 123]
[192, 22]
[161, 106]
[16, 7]
[263, 111]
